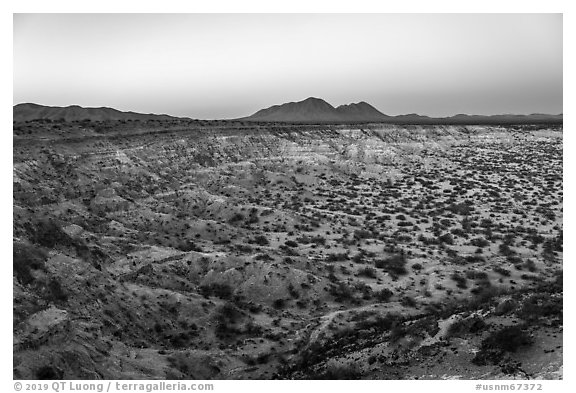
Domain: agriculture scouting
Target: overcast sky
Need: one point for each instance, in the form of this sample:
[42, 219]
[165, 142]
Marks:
[231, 65]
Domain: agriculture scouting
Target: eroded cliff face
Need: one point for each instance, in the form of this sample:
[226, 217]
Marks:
[174, 250]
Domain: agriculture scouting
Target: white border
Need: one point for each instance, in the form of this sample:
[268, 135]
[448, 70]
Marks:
[298, 6]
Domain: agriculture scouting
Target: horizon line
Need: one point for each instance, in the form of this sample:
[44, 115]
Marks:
[291, 102]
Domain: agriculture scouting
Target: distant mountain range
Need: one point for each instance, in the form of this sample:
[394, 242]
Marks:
[310, 110]
[316, 110]
[26, 112]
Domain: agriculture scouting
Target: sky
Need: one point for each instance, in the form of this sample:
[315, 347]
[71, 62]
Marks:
[218, 66]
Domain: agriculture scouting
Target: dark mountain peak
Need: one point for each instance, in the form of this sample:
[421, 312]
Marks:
[361, 111]
[356, 104]
[29, 111]
[27, 104]
[314, 102]
[309, 110]
[314, 99]
[314, 109]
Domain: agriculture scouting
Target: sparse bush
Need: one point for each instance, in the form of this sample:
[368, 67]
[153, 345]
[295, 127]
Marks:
[461, 281]
[341, 291]
[291, 243]
[502, 271]
[221, 290]
[261, 240]
[507, 339]
[279, 304]
[408, 301]
[337, 257]
[446, 238]
[541, 305]
[367, 272]
[236, 218]
[394, 265]
[362, 234]
[383, 295]
[480, 242]
[476, 275]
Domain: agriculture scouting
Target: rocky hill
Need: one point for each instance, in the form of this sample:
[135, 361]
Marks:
[316, 110]
[228, 250]
[28, 112]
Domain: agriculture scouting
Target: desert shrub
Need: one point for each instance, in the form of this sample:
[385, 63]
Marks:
[531, 277]
[464, 326]
[319, 240]
[446, 223]
[181, 339]
[476, 275]
[383, 295]
[367, 272]
[261, 240]
[484, 293]
[446, 238]
[291, 243]
[474, 258]
[337, 257]
[502, 271]
[402, 238]
[480, 242]
[427, 240]
[362, 234]
[364, 289]
[226, 316]
[279, 303]
[382, 323]
[266, 212]
[541, 305]
[507, 339]
[405, 224]
[56, 292]
[505, 250]
[236, 218]
[408, 301]
[189, 246]
[341, 291]
[530, 265]
[459, 232]
[462, 209]
[263, 257]
[514, 259]
[293, 292]
[48, 234]
[25, 258]
[394, 265]
[461, 281]
[417, 266]
[244, 248]
[359, 258]
[221, 290]
[506, 306]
